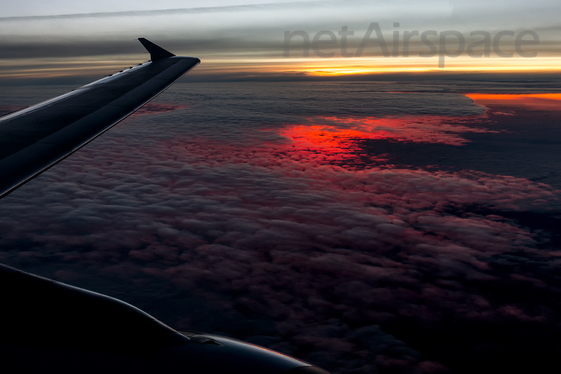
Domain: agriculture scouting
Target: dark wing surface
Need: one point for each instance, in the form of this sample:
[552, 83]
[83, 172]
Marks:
[50, 327]
[35, 138]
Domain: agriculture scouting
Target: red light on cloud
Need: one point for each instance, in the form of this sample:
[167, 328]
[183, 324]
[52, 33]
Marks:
[414, 129]
[339, 139]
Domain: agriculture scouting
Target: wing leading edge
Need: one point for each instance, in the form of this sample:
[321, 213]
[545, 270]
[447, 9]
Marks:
[36, 138]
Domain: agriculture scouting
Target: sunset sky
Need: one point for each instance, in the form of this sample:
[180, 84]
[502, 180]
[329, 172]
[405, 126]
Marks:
[237, 38]
[368, 212]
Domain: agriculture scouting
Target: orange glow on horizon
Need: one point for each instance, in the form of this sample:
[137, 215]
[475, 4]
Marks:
[255, 66]
[381, 65]
[543, 101]
[482, 96]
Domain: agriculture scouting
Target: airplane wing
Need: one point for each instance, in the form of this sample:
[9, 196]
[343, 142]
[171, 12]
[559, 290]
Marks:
[36, 138]
[50, 327]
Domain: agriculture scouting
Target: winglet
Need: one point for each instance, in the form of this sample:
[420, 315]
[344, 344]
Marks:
[156, 52]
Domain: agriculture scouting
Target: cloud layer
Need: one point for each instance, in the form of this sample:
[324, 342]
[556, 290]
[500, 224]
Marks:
[375, 269]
